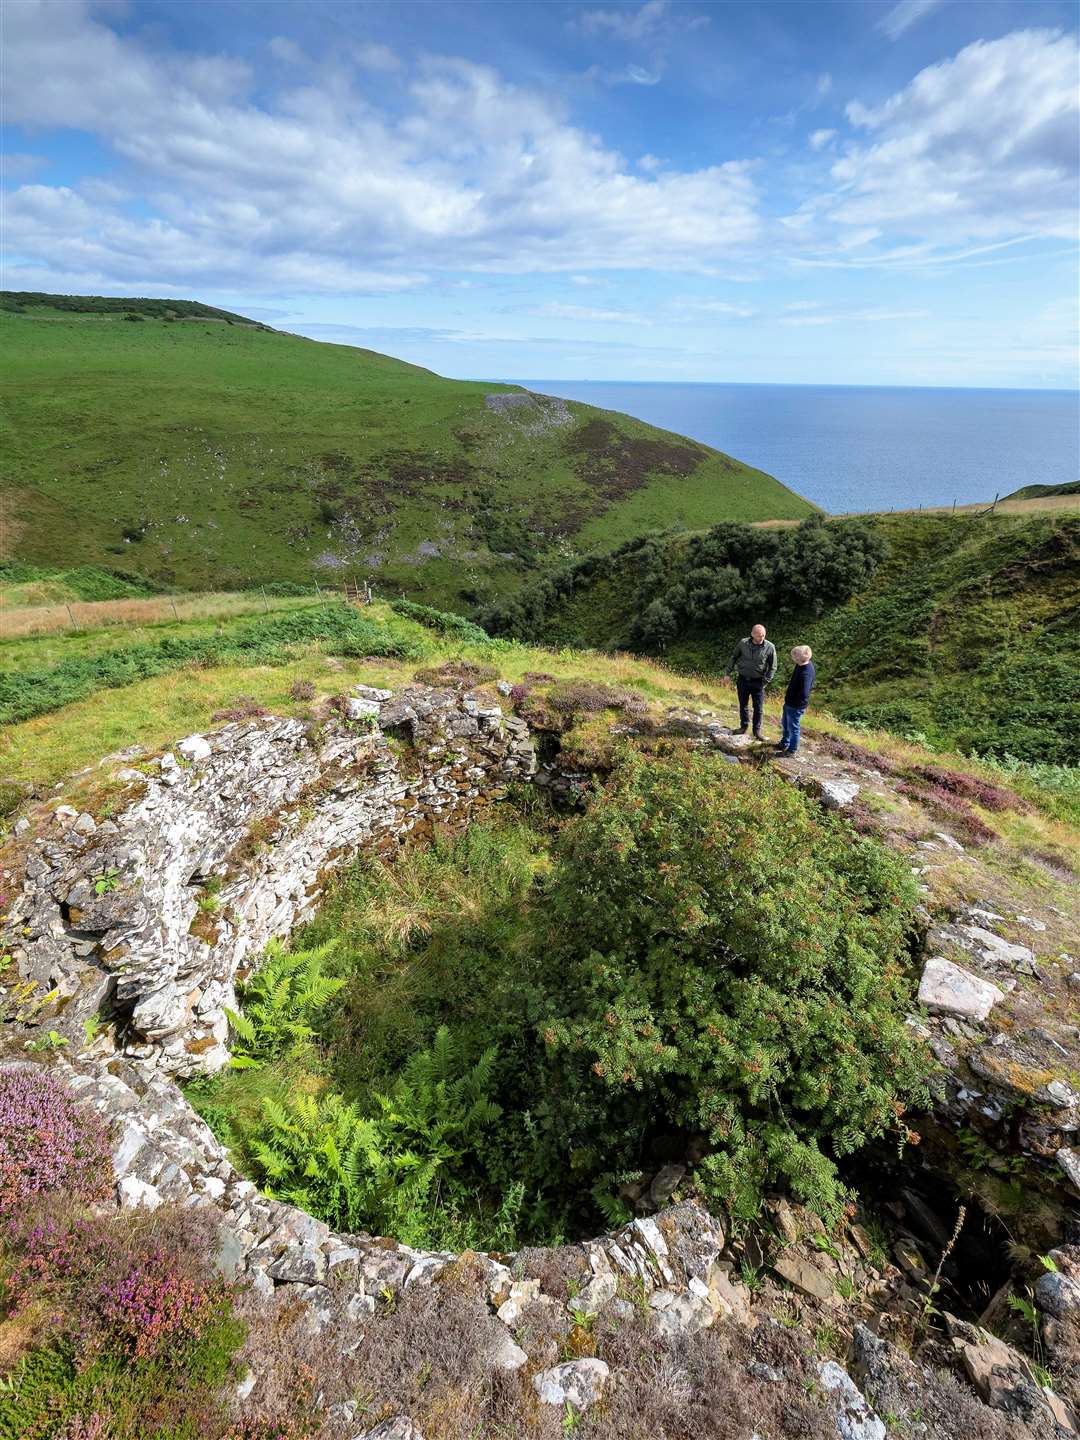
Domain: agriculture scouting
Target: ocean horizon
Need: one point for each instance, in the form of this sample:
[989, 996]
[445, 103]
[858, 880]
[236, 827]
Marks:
[863, 447]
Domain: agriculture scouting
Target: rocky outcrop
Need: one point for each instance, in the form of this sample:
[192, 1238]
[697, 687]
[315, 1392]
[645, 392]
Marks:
[226, 842]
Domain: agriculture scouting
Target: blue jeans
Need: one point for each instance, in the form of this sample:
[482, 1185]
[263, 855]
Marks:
[790, 721]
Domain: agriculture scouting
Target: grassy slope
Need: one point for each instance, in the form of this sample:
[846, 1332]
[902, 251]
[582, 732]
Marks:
[969, 632]
[230, 453]
[1039, 492]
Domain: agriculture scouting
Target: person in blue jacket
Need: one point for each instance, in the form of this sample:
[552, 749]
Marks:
[796, 699]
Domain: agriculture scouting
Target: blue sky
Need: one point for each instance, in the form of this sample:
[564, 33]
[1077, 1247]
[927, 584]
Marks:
[869, 193]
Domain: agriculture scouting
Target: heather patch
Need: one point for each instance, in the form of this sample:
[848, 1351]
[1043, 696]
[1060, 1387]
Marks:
[48, 1141]
[970, 787]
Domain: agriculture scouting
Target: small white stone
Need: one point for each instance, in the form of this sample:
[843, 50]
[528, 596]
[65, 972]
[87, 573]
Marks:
[1069, 1160]
[1030, 922]
[578, 1383]
[357, 709]
[194, 748]
[133, 1193]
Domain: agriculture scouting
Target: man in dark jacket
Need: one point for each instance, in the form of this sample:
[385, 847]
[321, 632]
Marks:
[796, 699]
[754, 663]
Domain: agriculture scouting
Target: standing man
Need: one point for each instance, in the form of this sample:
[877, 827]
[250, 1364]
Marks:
[754, 662]
[796, 699]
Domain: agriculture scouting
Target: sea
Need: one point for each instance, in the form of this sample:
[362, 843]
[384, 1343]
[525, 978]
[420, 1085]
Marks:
[852, 448]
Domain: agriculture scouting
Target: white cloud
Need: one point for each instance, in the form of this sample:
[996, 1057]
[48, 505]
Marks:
[824, 84]
[902, 16]
[804, 305]
[16, 166]
[820, 138]
[321, 190]
[717, 307]
[371, 56]
[556, 310]
[877, 315]
[585, 280]
[646, 23]
[286, 50]
[979, 148]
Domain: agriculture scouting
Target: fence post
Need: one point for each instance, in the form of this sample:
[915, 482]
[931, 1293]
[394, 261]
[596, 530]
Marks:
[173, 604]
[993, 507]
[71, 613]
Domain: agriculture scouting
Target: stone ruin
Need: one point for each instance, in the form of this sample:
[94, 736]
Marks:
[110, 919]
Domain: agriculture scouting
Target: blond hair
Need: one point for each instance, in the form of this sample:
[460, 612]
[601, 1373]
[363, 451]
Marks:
[801, 653]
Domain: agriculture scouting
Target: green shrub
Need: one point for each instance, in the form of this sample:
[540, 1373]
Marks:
[442, 621]
[733, 968]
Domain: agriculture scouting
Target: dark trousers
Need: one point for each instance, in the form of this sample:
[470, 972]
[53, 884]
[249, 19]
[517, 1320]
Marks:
[750, 690]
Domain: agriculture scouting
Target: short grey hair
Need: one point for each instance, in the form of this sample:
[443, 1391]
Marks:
[801, 654]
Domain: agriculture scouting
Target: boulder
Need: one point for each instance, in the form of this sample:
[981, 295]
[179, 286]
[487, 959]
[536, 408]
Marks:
[1057, 1294]
[948, 989]
[854, 1418]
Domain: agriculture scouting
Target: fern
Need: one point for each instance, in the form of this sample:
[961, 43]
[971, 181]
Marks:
[279, 1004]
[392, 1170]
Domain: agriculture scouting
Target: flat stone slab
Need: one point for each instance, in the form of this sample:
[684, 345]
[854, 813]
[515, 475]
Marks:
[993, 947]
[948, 989]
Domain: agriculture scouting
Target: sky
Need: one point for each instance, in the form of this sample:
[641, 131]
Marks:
[847, 193]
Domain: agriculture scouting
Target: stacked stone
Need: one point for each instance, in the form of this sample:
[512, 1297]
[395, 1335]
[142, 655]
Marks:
[109, 914]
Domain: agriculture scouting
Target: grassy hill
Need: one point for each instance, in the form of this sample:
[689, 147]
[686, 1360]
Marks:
[966, 633]
[196, 450]
[1040, 492]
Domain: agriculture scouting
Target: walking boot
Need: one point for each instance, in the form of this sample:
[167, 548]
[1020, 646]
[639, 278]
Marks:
[742, 729]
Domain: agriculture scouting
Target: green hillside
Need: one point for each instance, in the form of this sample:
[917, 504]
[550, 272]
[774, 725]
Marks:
[196, 450]
[1040, 492]
[960, 629]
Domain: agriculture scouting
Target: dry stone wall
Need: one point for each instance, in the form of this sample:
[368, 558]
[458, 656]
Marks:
[225, 843]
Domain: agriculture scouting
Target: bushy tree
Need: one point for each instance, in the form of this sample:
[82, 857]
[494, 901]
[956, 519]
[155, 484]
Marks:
[726, 959]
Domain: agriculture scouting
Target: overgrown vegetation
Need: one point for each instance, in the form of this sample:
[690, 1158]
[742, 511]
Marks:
[517, 1028]
[111, 1325]
[962, 632]
[710, 579]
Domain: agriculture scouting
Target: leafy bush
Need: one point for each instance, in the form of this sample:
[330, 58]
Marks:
[705, 977]
[48, 1141]
[589, 697]
[716, 577]
[279, 1003]
[442, 621]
